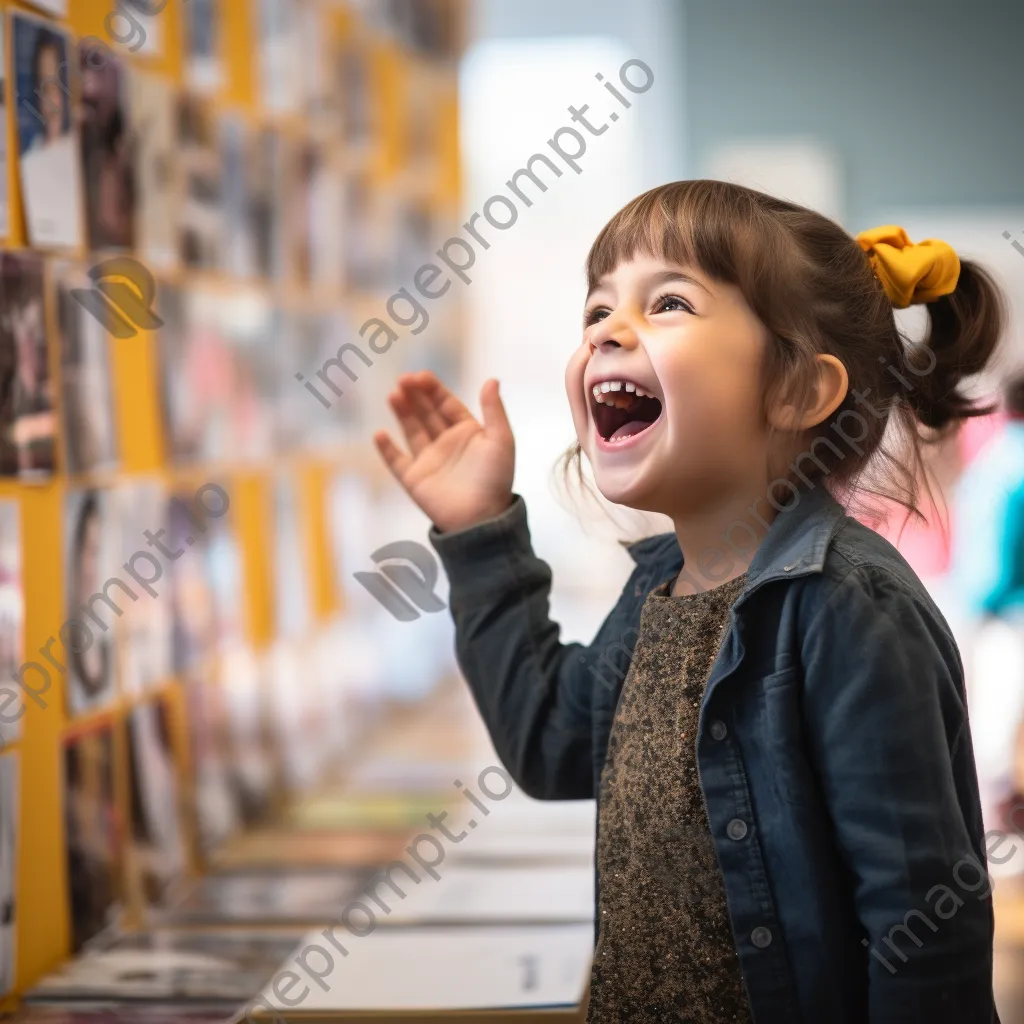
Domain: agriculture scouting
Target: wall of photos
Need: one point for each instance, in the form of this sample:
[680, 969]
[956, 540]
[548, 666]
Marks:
[171, 618]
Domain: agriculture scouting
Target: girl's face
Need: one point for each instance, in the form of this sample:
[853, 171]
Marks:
[694, 347]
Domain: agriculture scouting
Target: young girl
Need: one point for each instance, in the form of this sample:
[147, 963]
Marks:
[772, 718]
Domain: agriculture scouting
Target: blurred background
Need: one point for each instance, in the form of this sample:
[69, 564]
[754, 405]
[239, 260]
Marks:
[214, 217]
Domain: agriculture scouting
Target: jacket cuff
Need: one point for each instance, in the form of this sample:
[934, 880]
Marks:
[492, 539]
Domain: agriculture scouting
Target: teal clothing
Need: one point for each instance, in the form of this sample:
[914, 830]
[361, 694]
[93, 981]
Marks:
[987, 564]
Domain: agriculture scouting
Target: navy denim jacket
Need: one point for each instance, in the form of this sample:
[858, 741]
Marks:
[833, 727]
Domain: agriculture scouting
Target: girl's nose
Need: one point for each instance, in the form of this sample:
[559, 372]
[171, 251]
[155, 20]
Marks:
[616, 330]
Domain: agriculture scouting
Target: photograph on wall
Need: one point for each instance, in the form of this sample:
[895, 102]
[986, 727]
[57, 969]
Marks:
[154, 130]
[246, 325]
[56, 7]
[238, 249]
[204, 71]
[197, 374]
[291, 578]
[157, 851]
[5, 166]
[12, 619]
[215, 810]
[143, 632]
[194, 627]
[263, 198]
[213, 968]
[88, 564]
[108, 160]
[252, 754]
[200, 214]
[280, 68]
[28, 422]
[327, 212]
[10, 808]
[92, 832]
[87, 411]
[48, 148]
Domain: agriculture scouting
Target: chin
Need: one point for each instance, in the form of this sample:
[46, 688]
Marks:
[624, 486]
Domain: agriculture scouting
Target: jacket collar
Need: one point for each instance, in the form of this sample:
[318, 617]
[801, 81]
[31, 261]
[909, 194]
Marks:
[796, 542]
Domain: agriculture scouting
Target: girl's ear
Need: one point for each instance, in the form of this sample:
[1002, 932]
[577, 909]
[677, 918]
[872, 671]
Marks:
[823, 395]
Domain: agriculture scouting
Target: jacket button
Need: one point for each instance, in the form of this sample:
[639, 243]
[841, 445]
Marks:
[736, 829]
[761, 937]
[718, 729]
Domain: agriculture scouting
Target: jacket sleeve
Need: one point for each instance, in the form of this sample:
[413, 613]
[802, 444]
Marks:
[887, 722]
[535, 693]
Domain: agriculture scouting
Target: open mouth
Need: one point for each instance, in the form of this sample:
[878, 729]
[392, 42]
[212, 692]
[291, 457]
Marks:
[622, 409]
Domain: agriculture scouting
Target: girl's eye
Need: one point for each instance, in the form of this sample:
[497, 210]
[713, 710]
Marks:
[592, 316]
[670, 303]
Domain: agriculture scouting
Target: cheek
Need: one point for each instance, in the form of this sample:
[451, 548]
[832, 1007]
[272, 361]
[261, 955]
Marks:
[574, 391]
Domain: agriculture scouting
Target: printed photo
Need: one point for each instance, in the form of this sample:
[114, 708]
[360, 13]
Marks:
[92, 830]
[10, 808]
[326, 214]
[264, 201]
[158, 853]
[240, 674]
[57, 7]
[27, 418]
[48, 148]
[238, 250]
[5, 166]
[270, 897]
[88, 402]
[300, 159]
[108, 160]
[197, 374]
[201, 213]
[281, 60]
[214, 805]
[154, 130]
[222, 967]
[246, 325]
[291, 578]
[88, 564]
[127, 1013]
[143, 632]
[204, 71]
[194, 626]
[12, 612]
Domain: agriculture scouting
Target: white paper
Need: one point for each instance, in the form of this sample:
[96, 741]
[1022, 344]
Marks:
[442, 969]
[9, 811]
[481, 894]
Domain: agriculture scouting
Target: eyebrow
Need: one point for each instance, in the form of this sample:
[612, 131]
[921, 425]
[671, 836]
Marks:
[659, 278]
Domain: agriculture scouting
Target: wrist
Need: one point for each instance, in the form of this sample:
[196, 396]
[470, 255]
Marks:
[486, 515]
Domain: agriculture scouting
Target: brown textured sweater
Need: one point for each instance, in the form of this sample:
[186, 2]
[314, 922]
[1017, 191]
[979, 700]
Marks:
[665, 949]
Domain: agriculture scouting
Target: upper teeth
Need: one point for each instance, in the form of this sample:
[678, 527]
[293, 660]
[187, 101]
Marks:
[618, 385]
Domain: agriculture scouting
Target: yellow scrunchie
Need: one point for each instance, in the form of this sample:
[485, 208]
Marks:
[910, 272]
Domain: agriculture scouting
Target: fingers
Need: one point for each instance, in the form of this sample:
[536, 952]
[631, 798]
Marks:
[493, 409]
[397, 460]
[448, 405]
[416, 434]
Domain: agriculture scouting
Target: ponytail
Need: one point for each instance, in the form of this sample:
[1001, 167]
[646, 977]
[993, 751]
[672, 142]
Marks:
[964, 329]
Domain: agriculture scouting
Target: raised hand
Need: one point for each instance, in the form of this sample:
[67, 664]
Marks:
[458, 470]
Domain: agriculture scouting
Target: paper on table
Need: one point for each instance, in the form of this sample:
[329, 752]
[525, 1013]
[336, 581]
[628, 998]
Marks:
[483, 894]
[450, 969]
[507, 846]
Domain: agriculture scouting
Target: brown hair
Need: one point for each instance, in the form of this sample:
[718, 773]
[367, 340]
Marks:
[812, 286]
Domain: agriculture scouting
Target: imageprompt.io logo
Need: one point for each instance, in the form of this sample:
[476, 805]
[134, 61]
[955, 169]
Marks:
[405, 580]
[122, 297]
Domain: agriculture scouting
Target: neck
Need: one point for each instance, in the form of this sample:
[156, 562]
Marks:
[718, 542]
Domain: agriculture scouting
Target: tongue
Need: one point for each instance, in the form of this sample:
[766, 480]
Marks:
[632, 427]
